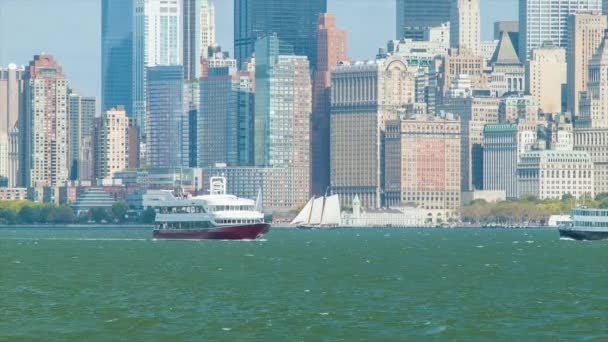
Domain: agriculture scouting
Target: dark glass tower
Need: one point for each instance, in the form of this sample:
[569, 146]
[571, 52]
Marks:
[415, 15]
[116, 54]
[294, 22]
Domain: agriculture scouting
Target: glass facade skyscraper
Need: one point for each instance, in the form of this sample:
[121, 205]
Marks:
[294, 22]
[543, 21]
[413, 16]
[167, 121]
[116, 54]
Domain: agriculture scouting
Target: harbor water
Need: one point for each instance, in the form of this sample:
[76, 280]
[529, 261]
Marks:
[364, 284]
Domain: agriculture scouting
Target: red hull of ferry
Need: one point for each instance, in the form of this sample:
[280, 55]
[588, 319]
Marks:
[241, 232]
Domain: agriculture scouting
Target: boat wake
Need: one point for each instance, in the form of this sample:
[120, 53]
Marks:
[71, 239]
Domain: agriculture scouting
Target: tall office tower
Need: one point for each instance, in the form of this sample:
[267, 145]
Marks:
[546, 76]
[191, 104]
[541, 21]
[423, 162]
[585, 34]
[293, 21]
[414, 16]
[591, 129]
[217, 121]
[331, 49]
[474, 114]
[244, 86]
[364, 97]
[500, 155]
[11, 97]
[81, 115]
[191, 38]
[157, 41]
[465, 25]
[283, 106]
[506, 66]
[117, 54]
[112, 143]
[167, 136]
[207, 27]
[45, 124]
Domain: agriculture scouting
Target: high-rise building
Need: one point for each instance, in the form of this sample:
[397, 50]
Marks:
[167, 124]
[45, 124]
[414, 16]
[465, 25]
[191, 38]
[207, 27]
[591, 129]
[585, 34]
[506, 64]
[293, 21]
[423, 163]
[546, 77]
[365, 95]
[543, 21]
[191, 104]
[500, 155]
[244, 86]
[217, 121]
[331, 49]
[157, 40]
[505, 26]
[462, 62]
[81, 115]
[11, 97]
[112, 143]
[283, 106]
[518, 108]
[117, 54]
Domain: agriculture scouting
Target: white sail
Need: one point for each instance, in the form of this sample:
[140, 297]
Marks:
[304, 215]
[331, 212]
[317, 211]
[259, 206]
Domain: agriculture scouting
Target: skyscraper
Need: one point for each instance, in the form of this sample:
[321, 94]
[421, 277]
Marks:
[283, 106]
[11, 97]
[81, 115]
[294, 22]
[331, 49]
[585, 34]
[465, 25]
[191, 37]
[111, 142]
[546, 76]
[117, 54]
[217, 120]
[45, 124]
[157, 41]
[207, 27]
[167, 136]
[414, 16]
[541, 21]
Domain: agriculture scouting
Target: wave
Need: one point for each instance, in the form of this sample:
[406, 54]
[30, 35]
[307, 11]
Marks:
[72, 239]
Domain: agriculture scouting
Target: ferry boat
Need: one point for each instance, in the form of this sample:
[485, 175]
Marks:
[217, 216]
[586, 224]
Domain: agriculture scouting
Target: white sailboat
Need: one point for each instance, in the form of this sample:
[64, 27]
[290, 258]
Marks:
[322, 212]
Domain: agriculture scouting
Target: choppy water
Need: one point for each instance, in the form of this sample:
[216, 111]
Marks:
[102, 284]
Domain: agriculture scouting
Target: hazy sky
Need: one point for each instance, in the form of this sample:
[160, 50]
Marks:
[70, 30]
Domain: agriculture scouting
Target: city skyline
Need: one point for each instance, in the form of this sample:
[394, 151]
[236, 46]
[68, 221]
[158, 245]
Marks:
[81, 52]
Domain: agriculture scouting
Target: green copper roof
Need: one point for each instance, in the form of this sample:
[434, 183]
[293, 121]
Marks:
[500, 128]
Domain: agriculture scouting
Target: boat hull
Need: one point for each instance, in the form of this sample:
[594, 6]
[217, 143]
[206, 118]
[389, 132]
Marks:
[583, 235]
[240, 232]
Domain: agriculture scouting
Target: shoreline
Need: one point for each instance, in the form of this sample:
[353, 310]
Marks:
[150, 227]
